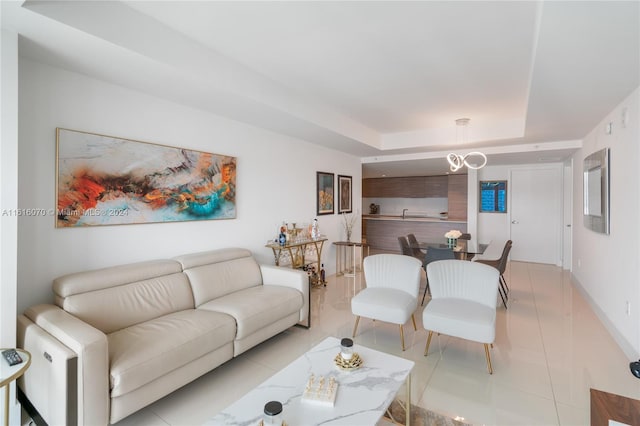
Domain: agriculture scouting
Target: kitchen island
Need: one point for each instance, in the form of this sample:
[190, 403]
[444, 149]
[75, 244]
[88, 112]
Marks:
[382, 231]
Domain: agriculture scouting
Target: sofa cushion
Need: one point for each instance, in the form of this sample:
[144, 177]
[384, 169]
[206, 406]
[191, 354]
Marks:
[97, 279]
[257, 307]
[111, 299]
[216, 273]
[143, 352]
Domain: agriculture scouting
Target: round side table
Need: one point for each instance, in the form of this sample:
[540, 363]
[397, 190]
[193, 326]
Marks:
[10, 373]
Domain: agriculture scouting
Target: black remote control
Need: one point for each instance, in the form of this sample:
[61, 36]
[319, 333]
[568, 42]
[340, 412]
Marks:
[12, 356]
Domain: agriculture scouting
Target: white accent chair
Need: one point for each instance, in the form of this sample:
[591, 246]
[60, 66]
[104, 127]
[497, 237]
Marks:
[463, 302]
[391, 293]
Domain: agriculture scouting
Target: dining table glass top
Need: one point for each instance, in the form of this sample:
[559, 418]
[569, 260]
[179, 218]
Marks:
[462, 246]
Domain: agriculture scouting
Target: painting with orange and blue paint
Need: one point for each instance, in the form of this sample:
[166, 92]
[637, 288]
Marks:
[105, 180]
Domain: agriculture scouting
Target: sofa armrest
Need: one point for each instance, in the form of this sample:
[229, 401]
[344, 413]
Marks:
[92, 349]
[287, 277]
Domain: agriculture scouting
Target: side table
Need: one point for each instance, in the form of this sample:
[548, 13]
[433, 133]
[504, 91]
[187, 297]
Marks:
[10, 373]
[346, 256]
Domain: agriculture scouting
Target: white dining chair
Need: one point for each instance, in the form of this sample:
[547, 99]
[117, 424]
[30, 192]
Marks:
[463, 302]
[391, 292]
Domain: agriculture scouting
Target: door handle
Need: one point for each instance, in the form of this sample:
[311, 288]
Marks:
[514, 222]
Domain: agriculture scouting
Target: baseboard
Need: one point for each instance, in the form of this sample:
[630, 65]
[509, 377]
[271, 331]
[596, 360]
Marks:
[628, 349]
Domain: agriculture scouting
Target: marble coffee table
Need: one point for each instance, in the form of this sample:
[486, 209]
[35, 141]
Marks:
[363, 395]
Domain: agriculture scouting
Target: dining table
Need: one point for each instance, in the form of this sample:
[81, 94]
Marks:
[467, 249]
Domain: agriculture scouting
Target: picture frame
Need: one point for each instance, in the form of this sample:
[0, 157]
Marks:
[324, 193]
[596, 191]
[493, 196]
[345, 192]
[108, 180]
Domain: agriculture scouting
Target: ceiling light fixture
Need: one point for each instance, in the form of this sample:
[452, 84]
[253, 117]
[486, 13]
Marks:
[457, 161]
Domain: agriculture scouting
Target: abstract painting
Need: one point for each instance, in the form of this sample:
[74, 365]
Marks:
[344, 194]
[105, 180]
[324, 193]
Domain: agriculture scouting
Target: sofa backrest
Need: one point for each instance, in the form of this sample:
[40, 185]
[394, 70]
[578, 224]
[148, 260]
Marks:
[113, 298]
[216, 273]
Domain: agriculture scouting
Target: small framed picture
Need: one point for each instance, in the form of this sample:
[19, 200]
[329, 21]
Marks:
[324, 193]
[493, 196]
[344, 194]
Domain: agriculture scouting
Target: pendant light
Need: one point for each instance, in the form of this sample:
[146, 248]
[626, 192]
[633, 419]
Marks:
[457, 161]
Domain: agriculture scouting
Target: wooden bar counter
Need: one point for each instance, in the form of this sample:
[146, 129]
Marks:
[382, 231]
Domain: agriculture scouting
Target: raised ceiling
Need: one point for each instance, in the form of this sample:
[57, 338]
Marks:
[381, 80]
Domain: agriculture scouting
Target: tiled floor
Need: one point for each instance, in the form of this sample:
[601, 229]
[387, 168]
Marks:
[550, 349]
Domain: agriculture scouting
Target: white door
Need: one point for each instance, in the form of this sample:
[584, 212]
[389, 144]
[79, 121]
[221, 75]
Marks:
[567, 208]
[536, 214]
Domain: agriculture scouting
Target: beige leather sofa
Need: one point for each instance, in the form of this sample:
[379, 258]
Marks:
[142, 330]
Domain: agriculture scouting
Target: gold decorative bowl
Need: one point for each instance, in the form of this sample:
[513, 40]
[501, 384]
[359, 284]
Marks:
[348, 364]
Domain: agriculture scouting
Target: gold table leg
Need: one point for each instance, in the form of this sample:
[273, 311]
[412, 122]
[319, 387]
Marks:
[6, 404]
[408, 403]
[406, 406]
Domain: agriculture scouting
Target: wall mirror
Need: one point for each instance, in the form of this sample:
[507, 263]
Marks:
[596, 191]
[493, 196]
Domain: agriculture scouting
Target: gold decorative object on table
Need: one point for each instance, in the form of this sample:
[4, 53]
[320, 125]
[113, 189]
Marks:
[262, 423]
[321, 391]
[348, 364]
[294, 233]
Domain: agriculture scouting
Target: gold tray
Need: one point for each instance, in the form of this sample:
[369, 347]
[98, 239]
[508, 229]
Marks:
[347, 365]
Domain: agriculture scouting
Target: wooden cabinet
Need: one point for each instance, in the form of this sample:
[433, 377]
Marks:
[383, 234]
[405, 187]
[436, 186]
[457, 197]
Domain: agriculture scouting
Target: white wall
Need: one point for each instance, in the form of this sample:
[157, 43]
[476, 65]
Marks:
[606, 266]
[9, 193]
[276, 179]
[567, 214]
[8, 200]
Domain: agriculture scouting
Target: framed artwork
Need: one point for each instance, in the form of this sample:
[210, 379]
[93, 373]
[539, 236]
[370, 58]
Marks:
[493, 196]
[344, 194]
[105, 180]
[596, 191]
[324, 193]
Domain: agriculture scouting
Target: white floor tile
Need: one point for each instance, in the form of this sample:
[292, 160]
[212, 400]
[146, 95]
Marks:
[573, 416]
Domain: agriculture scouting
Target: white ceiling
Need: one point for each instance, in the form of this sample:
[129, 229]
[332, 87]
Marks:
[381, 80]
